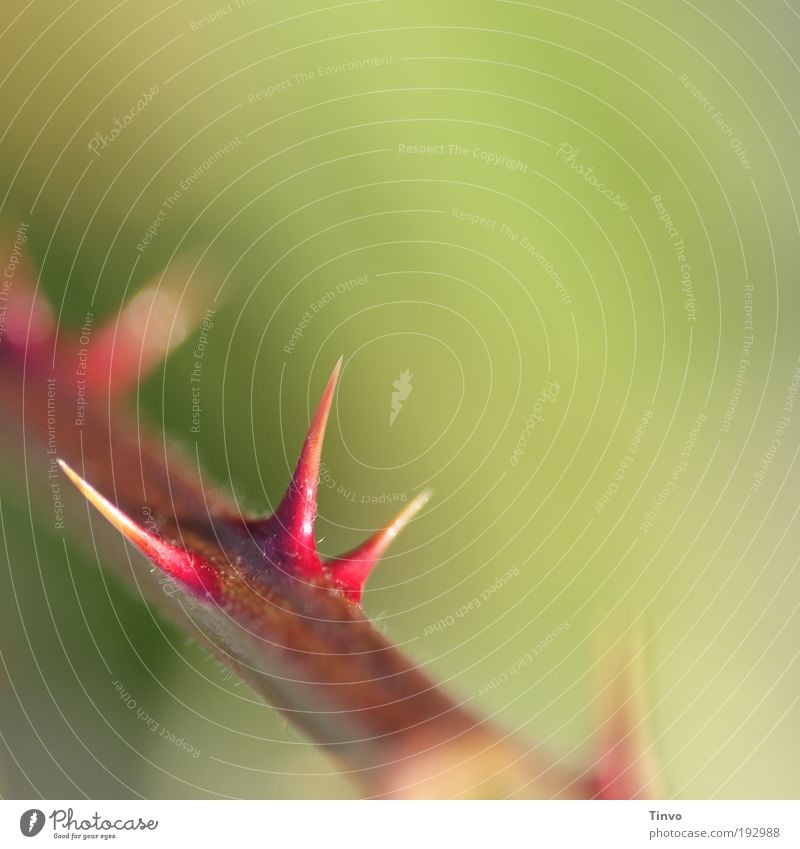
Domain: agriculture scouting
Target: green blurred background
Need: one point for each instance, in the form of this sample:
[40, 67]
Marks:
[490, 168]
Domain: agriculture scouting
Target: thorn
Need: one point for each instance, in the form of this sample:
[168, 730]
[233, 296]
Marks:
[296, 513]
[28, 323]
[175, 561]
[626, 766]
[147, 328]
[350, 571]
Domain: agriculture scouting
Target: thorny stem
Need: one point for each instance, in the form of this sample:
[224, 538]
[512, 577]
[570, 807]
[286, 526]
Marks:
[257, 594]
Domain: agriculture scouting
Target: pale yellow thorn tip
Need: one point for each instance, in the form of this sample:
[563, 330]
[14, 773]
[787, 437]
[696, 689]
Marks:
[409, 511]
[114, 515]
[384, 537]
[374, 548]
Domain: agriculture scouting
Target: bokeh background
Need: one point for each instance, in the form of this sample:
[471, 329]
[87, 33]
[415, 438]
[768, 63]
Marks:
[567, 221]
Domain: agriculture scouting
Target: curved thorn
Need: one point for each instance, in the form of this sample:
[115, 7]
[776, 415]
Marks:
[298, 509]
[350, 571]
[169, 558]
